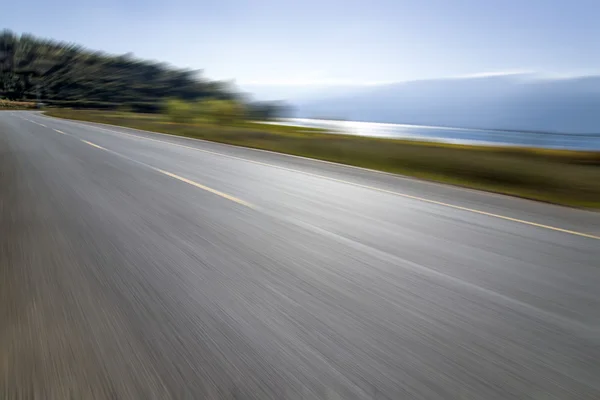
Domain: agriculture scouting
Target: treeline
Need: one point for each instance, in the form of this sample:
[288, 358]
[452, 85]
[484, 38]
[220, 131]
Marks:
[68, 75]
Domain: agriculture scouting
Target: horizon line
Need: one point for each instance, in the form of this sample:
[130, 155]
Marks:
[516, 73]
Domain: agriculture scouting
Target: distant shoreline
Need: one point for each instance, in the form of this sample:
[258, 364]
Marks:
[452, 127]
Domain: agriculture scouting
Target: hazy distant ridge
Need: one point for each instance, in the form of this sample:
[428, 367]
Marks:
[517, 102]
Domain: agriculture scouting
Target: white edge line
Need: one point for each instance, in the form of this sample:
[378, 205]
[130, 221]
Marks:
[553, 228]
[390, 174]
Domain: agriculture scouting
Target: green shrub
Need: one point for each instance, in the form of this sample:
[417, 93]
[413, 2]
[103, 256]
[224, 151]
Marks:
[221, 112]
[224, 112]
[179, 111]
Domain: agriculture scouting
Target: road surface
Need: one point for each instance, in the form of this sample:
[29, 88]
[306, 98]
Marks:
[143, 266]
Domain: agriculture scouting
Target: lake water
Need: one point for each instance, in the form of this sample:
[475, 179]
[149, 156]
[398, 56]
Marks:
[452, 135]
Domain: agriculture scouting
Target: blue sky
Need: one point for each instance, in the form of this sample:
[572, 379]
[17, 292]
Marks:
[329, 41]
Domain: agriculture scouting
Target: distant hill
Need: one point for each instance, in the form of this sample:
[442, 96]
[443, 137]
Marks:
[515, 102]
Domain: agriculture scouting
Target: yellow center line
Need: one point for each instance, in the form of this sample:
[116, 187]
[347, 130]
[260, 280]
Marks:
[208, 189]
[180, 178]
[93, 144]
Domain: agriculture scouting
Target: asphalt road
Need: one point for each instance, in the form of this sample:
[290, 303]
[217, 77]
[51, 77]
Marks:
[142, 266]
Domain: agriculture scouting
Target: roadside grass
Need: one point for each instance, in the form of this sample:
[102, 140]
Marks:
[557, 176]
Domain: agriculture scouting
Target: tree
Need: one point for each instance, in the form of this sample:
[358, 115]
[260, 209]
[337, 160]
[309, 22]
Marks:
[71, 75]
[68, 75]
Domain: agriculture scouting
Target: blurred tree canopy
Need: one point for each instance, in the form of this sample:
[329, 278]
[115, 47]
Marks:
[68, 75]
